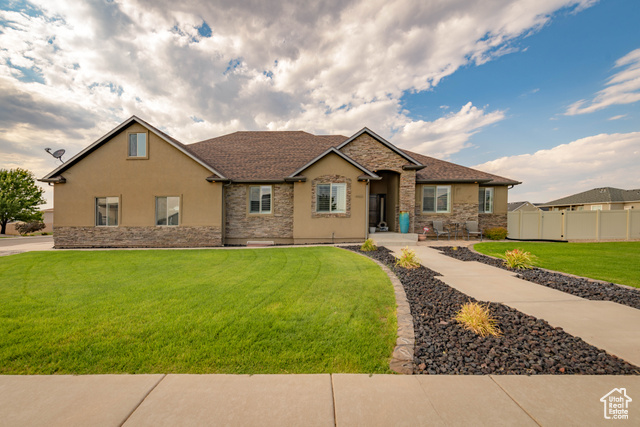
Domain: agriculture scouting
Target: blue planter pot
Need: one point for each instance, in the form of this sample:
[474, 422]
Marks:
[404, 222]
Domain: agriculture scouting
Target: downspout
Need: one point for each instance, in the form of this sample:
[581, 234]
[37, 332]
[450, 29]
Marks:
[366, 210]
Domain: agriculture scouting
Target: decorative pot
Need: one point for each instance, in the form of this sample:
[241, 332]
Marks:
[404, 222]
[372, 230]
[422, 237]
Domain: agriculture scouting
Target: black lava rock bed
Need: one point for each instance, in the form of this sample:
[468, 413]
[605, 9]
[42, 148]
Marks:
[526, 346]
[584, 288]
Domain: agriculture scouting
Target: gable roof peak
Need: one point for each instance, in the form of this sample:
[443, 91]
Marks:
[381, 140]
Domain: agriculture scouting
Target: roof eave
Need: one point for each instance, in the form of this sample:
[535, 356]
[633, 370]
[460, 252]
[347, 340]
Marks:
[58, 179]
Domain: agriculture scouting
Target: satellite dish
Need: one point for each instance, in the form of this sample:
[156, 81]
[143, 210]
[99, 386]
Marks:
[56, 154]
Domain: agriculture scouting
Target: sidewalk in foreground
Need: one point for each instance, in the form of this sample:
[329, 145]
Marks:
[604, 324]
[310, 400]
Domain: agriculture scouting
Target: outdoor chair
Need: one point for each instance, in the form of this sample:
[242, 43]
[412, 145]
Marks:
[472, 228]
[438, 227]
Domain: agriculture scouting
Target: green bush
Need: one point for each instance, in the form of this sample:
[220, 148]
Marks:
[29, 227]
[519, 259]
[495, 233]
[368, 246]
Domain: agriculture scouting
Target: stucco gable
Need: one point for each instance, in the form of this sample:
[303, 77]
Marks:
[55, 175]
[367, 173]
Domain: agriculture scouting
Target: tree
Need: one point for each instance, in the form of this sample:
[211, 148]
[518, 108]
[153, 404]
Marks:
[19, 197]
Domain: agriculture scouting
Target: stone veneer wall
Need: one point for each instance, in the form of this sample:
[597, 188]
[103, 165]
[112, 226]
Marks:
[492, 220]
[374, 156]
[460, 213]
[242, 225]
[330, 179]
[137, 237]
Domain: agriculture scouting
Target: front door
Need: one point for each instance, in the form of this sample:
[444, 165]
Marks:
[377, 212]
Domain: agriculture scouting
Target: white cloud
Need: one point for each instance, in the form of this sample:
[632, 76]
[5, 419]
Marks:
[330, 67]
[446, 135]
[605, 160]
[618, 117]
[622, 88]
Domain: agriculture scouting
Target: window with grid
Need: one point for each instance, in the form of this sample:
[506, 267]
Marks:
[260, 199]
[331, 198]
[485, 200]
[107, 211]
[168, 211]
[436, 198]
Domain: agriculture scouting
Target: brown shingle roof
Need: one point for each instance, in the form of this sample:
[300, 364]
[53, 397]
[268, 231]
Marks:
[274, 155]
[262, 155]
[441, 171]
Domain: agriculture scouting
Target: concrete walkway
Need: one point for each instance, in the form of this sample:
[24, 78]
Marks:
[310, 400]
[604, 324]
[16, 245]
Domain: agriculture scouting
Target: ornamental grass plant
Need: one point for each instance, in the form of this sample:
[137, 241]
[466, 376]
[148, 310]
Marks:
[408, 259]
[368, 246]
[477, 318]
[519, 259]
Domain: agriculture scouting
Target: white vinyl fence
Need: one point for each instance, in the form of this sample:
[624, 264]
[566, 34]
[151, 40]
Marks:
[575, 225]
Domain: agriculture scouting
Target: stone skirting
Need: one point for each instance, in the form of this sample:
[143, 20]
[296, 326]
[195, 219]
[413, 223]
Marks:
[240, 224]
[137, 237]
[492, 220]
[460, 213]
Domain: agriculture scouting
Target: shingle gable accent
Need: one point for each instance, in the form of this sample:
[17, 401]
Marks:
[55, 174]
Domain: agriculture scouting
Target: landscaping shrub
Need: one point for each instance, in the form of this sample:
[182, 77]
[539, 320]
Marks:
[519, 259]
[477, 318]
[368, 246]
[408, 259]
[496, 233]
[29, 227]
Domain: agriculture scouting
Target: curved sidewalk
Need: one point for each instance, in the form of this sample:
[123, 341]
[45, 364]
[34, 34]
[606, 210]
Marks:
[604, 324]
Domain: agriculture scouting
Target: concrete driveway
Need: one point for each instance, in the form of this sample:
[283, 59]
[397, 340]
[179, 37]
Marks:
[16, 245]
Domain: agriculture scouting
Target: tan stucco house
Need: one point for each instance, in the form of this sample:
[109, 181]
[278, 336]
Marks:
[138, 187]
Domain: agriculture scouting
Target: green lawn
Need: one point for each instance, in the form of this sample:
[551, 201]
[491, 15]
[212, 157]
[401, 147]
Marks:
[300, 310]
[617, 262]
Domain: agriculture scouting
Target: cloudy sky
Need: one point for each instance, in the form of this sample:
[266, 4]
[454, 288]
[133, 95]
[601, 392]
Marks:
[543, 91]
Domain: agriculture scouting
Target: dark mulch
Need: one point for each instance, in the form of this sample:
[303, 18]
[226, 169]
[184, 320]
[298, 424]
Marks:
[584, 288]
[527, 345]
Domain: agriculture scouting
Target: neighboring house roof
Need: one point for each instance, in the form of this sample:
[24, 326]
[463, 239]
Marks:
[439, 170]
[598, 195]
[54, 176]
[514, 206]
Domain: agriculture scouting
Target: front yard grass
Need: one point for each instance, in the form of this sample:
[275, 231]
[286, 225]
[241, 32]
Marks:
[244, 311]
[617, 262]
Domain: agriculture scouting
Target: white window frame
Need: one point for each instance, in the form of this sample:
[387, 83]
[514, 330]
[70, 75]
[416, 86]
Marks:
[159, 199]
[263, 190]
[109, 200]
[332, 185]
[596, 207]
[437, 189]
[482, 207]
[138, 145]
